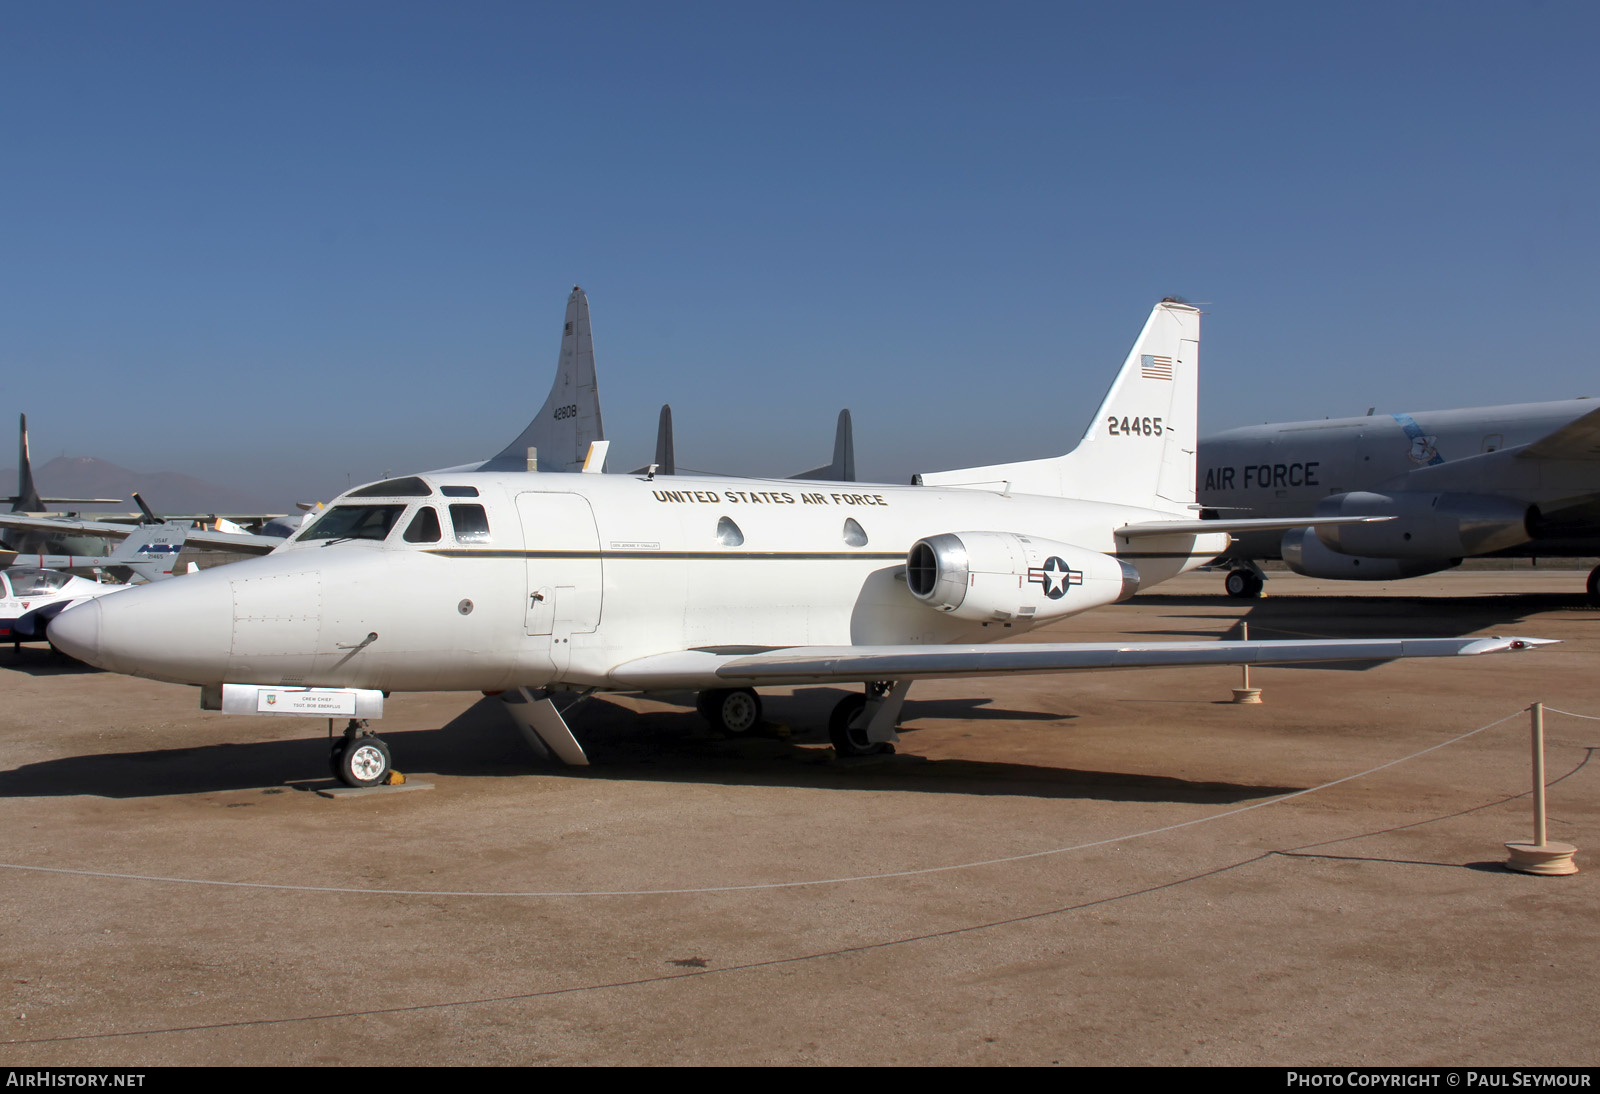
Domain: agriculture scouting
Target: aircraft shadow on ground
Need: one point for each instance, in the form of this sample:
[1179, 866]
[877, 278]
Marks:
[39, 660]
[1290, 617]
[622, 746]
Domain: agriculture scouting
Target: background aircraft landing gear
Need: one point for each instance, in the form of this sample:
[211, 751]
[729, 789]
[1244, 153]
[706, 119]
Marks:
[1244, 584]
[1594, 586]
[359, 758]
[732, 710]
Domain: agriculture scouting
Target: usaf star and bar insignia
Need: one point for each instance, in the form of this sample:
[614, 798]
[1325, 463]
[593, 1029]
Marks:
[1055, 576]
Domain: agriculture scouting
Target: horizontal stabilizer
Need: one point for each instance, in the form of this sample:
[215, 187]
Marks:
[848, 664]
[1250, 524]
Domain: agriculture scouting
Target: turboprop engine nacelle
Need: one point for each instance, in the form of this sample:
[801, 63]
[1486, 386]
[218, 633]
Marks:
[1000, 576]
[1425, 526]
[1306, 554]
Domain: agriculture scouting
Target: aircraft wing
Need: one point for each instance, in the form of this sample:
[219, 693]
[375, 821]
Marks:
[848, 664]
[199, 537]
[1248, 524]
[1577, 440]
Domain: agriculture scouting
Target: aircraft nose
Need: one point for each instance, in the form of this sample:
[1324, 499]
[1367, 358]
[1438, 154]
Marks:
[76, 632]
[179, 630]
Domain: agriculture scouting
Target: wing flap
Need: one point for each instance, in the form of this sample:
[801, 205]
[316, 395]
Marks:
[846, 664]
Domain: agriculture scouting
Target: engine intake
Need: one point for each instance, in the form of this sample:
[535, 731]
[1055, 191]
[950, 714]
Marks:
[1002, 576]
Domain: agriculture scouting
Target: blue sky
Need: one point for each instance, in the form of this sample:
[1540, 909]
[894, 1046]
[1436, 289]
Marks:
[291, 245]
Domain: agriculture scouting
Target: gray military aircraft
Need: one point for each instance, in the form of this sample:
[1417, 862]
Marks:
[1520, 480]
[27, 500]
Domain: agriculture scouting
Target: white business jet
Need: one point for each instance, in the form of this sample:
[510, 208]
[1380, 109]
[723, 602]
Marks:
[540, 585]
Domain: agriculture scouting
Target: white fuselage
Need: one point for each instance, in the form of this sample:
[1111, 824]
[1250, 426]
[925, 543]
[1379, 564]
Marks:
[579, 574]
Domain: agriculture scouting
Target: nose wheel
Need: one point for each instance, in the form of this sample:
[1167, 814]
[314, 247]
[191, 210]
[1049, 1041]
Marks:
[358, 758]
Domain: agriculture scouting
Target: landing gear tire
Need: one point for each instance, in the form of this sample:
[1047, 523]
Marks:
[360, 761]
[1594, 586]
[1242, 584]
[848, 741]
[734, 711]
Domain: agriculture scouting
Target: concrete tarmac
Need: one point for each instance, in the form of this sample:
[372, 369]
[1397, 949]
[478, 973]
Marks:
[1096, 868]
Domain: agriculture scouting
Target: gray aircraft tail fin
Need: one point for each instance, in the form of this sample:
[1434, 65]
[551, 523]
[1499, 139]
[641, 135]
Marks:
[666, 462]
[27, 499]
[666, 458]
[569, 421]
[150, 550]
[843, 466]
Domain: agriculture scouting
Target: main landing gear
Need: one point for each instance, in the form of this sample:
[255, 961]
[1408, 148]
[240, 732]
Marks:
[1244, 582]
[359, 758]
[1594, 586]
[864, 725]
[732, 710]
[860, 725]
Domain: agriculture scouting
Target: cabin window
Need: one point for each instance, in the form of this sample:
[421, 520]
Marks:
[728, 533]
[353, 522]
[424, 526]
[854, 534]
[26, 581]
[410, 487]
[470, 523]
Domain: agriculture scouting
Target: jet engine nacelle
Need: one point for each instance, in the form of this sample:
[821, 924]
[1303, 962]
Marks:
[1425, 526]
[995, 576]
[1305, 553]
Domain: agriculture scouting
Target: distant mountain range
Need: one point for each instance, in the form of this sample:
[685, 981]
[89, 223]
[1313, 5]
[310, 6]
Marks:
[164, 491]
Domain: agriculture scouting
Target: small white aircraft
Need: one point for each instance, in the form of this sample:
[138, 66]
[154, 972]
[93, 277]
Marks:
[37, 590]
[532, 584]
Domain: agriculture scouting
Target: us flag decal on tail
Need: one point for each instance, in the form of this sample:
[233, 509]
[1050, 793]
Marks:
[1155, 368]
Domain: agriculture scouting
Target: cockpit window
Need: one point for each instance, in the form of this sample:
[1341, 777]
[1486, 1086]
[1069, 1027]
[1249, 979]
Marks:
[353, 522]
[410, 487]
[30, 582]
[459, 491]
[470, 523]
[424, 527]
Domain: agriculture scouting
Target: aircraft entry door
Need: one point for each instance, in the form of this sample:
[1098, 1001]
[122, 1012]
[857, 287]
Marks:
[564, 570]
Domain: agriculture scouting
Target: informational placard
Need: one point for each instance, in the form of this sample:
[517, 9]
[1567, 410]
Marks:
[302, 702]
[325, 704]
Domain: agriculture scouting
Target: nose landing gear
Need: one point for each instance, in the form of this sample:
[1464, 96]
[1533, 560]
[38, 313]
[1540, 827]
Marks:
[359, 758]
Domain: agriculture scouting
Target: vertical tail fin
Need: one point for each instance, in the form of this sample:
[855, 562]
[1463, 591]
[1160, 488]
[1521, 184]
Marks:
[843, 466]
[569, 421]
[27, 499]
[1139, 447]
[666, 463]
[666, 458]
[150, 550]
